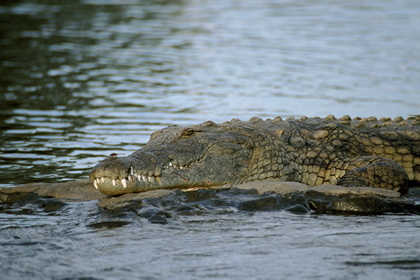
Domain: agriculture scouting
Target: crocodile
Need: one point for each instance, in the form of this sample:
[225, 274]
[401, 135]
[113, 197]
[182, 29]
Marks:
[356, 152]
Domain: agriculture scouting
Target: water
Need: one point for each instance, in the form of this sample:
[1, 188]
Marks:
[83, 79]
[78, 244]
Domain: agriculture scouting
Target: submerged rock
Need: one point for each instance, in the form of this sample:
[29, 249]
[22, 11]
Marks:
[159, 205]
[335, 199]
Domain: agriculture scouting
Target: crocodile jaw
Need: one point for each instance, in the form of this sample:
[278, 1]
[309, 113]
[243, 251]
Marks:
[129, 178]
[143, 170]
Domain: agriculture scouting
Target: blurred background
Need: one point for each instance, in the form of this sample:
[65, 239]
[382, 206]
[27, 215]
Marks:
[82, 79]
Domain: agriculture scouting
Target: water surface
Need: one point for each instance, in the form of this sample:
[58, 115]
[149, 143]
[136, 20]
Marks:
[83, 79]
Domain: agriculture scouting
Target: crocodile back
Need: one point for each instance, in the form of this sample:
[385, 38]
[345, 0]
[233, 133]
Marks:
[315, 143]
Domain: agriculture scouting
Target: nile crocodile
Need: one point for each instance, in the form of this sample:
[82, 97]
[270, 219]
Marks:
[367, 152]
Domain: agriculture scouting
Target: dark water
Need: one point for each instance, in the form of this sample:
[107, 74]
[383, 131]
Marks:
[82, 79]
[78, 244]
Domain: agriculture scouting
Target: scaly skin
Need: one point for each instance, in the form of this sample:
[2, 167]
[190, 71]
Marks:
[314, 151]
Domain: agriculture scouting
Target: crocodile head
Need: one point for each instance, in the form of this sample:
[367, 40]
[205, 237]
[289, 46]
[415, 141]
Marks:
[207, 154]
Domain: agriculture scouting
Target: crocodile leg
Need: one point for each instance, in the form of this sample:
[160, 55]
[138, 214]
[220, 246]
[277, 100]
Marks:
[372, 171]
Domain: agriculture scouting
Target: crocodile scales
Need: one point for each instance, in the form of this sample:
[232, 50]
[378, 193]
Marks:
[382, 153]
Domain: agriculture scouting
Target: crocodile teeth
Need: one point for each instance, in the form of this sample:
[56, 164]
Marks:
[130, 179]
[132, 171]
[159, 181]
[177, 165]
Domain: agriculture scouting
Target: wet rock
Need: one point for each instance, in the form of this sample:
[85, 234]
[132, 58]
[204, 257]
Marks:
[157, 205]
[154, 215]
[201, 194]
[333, 199]
[29, 203]
[166, 199]
[258, 204]
[15, 197]
[276, 187]
[158, 219]
[298, 209]
[45, 197]
[215, 204]
[333, 190]
[205, 200]
[353, 204]
[238, 199]
[414, 194]
[296, 203]
[72, 190]
[50, 205]
[158, 198]
[185, 209]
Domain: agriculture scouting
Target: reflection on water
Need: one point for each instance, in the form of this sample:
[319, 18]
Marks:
[82, 79]
[79, 244]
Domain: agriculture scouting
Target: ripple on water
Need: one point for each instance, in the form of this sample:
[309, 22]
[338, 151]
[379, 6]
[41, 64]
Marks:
[117, 72]
[108, 73]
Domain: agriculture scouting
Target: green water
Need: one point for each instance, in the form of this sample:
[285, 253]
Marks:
[80, 80]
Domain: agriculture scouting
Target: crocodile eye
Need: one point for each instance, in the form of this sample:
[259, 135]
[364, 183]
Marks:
[187, 132]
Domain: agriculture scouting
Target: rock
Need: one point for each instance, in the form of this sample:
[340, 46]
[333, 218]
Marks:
[359, 204]
[157, 205]
[260, 203]
[72, 190]
[154, 215]
[335, 190]
[290, 187]
[277, 187]
[136, 200]
[335, 199]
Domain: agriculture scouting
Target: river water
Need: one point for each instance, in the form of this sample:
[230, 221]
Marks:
[83, 79]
